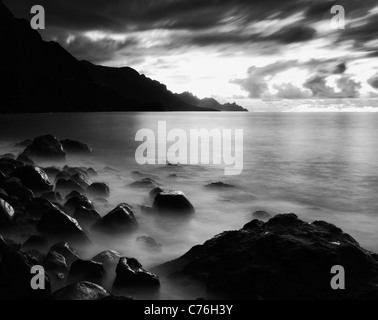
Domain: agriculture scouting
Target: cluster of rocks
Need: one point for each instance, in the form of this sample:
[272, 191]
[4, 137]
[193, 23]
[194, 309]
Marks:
[43, 211]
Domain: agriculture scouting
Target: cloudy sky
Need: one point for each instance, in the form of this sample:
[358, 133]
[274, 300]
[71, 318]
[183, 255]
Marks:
[229, 49]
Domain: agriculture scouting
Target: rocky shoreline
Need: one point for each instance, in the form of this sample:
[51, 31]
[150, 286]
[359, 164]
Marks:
[54, 211]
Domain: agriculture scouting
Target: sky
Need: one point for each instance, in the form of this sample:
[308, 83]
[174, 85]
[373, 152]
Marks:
[232, 50]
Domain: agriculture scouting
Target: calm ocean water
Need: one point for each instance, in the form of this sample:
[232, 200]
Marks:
[319, 166]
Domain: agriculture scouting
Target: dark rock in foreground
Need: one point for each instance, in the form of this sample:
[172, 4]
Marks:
[174, 202]
[59, 226]
[107, 258]
[284, 258]
[33, 178]
[119, 220]
[66, 251]
[47, 147]
[130, 273]
[15, 277]
[80, 291]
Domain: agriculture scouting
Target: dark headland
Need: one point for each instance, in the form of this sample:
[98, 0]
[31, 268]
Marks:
[39, 76]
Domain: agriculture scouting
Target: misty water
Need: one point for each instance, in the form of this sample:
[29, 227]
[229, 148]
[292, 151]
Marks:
[319, 166]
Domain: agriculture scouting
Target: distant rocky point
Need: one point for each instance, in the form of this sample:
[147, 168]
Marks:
[209, 103]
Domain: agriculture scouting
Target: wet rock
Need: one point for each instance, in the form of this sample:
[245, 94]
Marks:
[144, 183]
[52, 196]
[76, 170]
[15, 277]
[109, 259]
[86, 270]
[261, 215]
[76, 147]
[56, 265]
[78, 201]
[81, 291]
[46, 147]
[37, 207]
[130, 273]
[23, 157]
[36, 243]
[68, 185]
[81, 180]
[154, 192]
[6, 167]
[219, 185]
[98, 190]
[119, 220]
[59, 226]
[174, 202]
[33, 178]
[284, 258]
[86, 217]
[149, 243]
[66, 251]
[6, 213]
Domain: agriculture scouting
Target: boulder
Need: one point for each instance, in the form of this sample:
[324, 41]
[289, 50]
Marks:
[98, 190]
[86, 217]
[119, 220]
[130, 273]
[62, 175]
[66, 251]
[80, 291]
[6, 213]
[8, 156]
[262, 215]
[68, 185]
[59, 226]
[86, 270]
[46, 147]
[76, 202]
[109, 259]
[15, 278]
[81, 180]
[173, 202]
[3, 194]
[56, 265]
[72, 194]
[33, 178]
[284, 258]
[75, 147]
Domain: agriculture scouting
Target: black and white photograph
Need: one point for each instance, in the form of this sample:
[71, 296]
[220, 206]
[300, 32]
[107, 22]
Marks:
[210, 151]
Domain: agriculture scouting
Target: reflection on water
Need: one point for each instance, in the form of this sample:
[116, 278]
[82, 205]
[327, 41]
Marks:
[320, 166]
